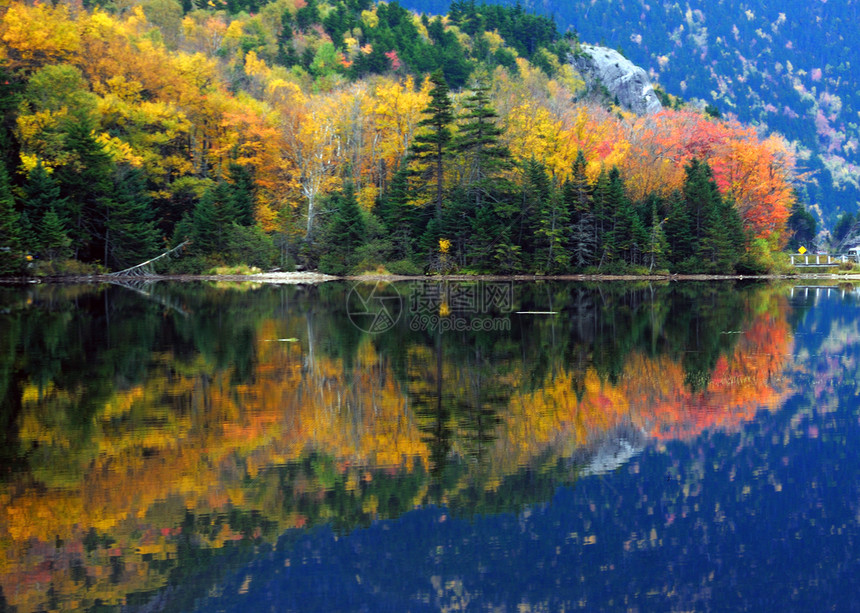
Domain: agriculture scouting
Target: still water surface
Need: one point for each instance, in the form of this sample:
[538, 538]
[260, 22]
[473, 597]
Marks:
[427, 447]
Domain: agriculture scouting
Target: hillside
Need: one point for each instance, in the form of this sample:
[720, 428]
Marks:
[346, 136]
[788, 67]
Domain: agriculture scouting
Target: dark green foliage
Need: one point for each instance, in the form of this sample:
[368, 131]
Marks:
[478, 141]
[53, 238]
[801, 226]
[677, 228]
[242, 188]
[86, 184]
[308, 15]
[345, 234]
[10, 240]
[843, 226]
[9, 220]
[40, 194]
[399, 215]
[212, 220]
[250, 245]
[130, 233]
[431, 145]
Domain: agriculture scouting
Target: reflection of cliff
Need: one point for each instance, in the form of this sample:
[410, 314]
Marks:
[245, 437]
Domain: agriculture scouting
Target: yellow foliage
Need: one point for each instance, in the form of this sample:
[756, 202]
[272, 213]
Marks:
[370, 18]
[494, 40]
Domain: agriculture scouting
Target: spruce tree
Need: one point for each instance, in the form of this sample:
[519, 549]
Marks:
[41, 194]
[479, 141]
[618, 241]
[657, 245]
[801, 226]
[601, 209]
[54, 238]
[582, 242]
[701, 196]
[86, 182]
[347, 231]
[535, 193]
[9, 227]
[130, 233]
[9, 219]
[678, 230]
[399, 215]
[212, 219]
[242, 187]
[431, 145]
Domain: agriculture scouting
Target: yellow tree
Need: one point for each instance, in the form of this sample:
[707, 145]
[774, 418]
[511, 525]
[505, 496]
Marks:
[310, 141]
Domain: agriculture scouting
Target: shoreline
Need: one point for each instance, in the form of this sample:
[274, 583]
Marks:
[309, 278]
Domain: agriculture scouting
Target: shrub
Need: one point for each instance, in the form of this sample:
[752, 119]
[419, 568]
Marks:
[404, 267]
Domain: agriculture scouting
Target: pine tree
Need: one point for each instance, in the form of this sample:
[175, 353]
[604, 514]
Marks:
[10, 262]
[552, 256]
[701, 196]
[432, 144]
[678, 230]
[801, 225]
[399, 215]
[619, 239]
[657, 246]
[347, 231]
[54, 239]
[86, 182]
[582, 241]
[536, 190]
[130, 232]
[242, 187]
[479, 141]
[9, 219]
[600, 208]
[212, 218]
[41, 194]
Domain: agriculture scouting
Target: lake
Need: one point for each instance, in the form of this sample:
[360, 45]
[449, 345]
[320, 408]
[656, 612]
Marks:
[425, 446]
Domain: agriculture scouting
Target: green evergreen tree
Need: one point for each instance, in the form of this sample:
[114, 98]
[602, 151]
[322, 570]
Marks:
[10, 261]
[212, 219]
[535, 192]
[678, 230]
[582, 241]
[657, 246]
[242, 186]
[40, 194]
[801, 226]
[479, 142]
[54, 239]
[601, 210]
[552, 256]
[843, 226]
[618, 240]
[399, 215]
[86, 183]
[130, 233]
[346, 231]
[9, 218]
[431, 145]
[701, 195]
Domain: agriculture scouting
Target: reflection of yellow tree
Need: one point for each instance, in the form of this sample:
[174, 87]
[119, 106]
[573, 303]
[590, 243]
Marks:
[189, 439]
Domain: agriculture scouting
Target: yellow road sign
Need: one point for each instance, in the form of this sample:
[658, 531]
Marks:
[802, 250]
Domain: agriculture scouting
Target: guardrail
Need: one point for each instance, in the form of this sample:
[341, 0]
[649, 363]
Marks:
[821, 259]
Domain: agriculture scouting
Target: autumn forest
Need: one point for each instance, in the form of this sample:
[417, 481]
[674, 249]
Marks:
[348, 136]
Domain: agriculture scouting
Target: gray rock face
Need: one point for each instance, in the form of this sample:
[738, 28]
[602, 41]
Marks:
[624, 79]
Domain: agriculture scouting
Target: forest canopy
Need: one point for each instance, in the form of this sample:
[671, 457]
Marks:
[350, 136]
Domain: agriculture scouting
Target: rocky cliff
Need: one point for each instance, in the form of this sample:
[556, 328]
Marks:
[622, 78]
